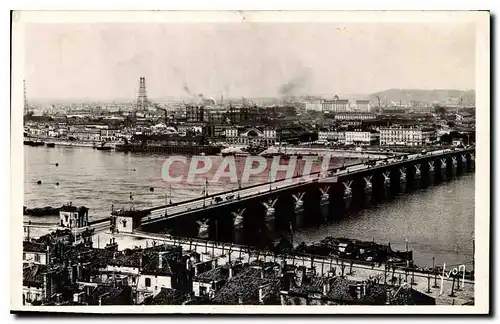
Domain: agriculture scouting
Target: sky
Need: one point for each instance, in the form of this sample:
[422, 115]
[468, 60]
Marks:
[105, 61]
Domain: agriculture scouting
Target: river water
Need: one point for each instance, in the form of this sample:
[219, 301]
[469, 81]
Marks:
[437, 221]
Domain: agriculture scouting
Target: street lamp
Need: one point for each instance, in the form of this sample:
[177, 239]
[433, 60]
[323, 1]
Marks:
[434, 271]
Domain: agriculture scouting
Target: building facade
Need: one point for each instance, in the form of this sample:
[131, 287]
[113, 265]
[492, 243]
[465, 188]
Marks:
[360, 137]
[331, 135]
[314, 105]
[334, 106]
[249, 136]
[405, 136]
[355, 116]
[363, 105]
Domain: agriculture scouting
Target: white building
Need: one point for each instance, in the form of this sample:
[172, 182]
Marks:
[405, 136]
[363, 105]
[334, 106]
[231, 132]
[355, 116]
[34, 277]
[208, 282]
[73, 217]
[361, 138]
[250, 136]
[156, 275]
[331, 135]
[314, 104]
[35, 253]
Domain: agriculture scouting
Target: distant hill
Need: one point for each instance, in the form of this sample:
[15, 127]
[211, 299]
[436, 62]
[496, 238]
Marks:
[406, 95]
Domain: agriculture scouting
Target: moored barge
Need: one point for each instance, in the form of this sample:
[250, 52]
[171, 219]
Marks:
[169, 144]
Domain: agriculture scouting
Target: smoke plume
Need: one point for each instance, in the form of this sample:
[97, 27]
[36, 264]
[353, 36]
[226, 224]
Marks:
[186, 88]
[293, 86]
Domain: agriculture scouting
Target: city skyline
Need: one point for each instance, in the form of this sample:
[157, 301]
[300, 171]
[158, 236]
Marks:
[105, 61]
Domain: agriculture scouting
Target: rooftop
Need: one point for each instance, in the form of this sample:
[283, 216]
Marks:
[126, 260]
[311, 285]
[34, 247]
[33, 275]
[244, 285]
[341, 290]
[153, 267]
[169, 296]
[216, 274]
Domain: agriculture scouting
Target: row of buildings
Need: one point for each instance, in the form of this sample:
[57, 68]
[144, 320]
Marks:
[255, 135]
[338, 105]
[404, 136]
[61, 270]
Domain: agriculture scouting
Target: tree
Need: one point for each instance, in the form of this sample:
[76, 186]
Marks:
[446, 138]
[440, 110]
[284, 246]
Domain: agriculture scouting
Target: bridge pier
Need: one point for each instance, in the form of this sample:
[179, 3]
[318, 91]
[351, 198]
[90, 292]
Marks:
[347, 197]
[299, 209]
[417, 176]
[472, 162]
[203, 229]
[368, 189]
[325, 202]
[387, 183]
[453, 166]
[238, 228]
[402, 180]
[270, 213]
[442, 169]
[431, 173]
[463, 163]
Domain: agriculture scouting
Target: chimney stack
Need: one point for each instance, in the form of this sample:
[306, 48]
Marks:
[326, 286]
[160, 260]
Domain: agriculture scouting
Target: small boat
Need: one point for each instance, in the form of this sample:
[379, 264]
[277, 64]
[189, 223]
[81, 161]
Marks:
[103, 148]
[51, 144]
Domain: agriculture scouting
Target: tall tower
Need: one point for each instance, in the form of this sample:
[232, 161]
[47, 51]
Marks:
[26, 106]
[142, 97]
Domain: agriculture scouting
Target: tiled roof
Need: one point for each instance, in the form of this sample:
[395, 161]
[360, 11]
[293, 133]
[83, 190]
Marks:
[169, 296]
[67, 208]
[34, 247]
[244, 285]
[110, 295]
[310, 286]
[339, 291]
[216, 274]
[33, 275]
[125, 260]
[153, 268]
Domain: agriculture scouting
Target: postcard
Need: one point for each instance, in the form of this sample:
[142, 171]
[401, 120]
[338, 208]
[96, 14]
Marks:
[271, 162]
